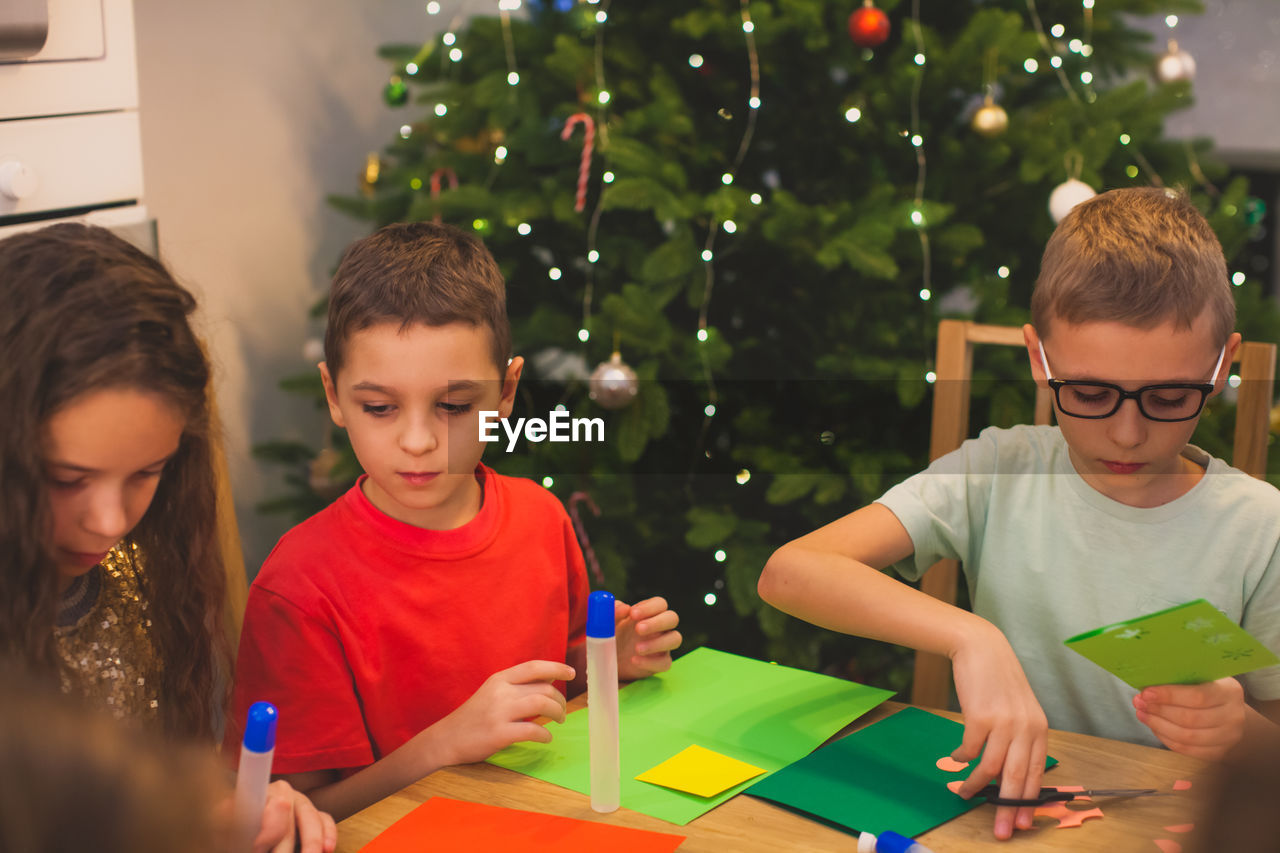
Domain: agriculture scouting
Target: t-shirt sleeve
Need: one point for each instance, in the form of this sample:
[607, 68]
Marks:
[943, 508]
[1262, 620]
[293, 660]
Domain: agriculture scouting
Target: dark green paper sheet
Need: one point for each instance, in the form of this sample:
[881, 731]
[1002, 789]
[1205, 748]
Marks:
[881, 777]
[761, 713]
[1188, 644]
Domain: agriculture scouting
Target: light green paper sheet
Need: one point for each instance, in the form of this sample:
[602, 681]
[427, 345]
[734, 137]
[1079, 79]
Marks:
[760, 713]
[1188, 644]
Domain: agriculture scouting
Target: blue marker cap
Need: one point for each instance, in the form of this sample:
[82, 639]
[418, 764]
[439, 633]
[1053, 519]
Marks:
[600, 614]
[260, 728]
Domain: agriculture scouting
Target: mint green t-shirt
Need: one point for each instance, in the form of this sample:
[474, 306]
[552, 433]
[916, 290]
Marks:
[1046, 557]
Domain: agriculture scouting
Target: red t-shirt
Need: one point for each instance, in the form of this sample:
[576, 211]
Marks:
[364, 630]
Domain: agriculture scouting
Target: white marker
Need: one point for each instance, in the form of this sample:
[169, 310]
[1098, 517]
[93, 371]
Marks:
[602, 702]
[256, 752]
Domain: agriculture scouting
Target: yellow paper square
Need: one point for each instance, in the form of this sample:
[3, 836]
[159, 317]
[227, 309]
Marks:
[700, 771]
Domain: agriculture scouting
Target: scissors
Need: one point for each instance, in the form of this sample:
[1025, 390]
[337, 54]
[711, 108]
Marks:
[1051, 795]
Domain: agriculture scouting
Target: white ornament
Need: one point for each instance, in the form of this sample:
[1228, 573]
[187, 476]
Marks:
[313, 351]
[1067, 195]
[1174, 65]
[18, 180]
[613, 383]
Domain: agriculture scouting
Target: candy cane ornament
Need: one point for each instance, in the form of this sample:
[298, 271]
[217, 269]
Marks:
[587, 551]
[442, 172]
[588, 143]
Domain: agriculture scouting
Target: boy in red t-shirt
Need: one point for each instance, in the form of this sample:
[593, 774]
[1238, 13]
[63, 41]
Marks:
[424, 617]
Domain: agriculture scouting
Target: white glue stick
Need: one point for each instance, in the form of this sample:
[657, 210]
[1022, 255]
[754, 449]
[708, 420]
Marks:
[602, 702]
[254, 776]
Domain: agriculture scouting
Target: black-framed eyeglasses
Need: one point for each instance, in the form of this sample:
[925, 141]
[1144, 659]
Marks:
[1168, 402]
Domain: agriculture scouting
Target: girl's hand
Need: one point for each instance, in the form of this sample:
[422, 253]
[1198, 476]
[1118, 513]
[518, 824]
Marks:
[289, 819]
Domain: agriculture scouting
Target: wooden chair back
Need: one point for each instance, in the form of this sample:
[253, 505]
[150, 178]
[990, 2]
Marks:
[931, 686]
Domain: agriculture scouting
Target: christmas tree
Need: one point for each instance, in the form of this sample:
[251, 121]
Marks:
[764, 208]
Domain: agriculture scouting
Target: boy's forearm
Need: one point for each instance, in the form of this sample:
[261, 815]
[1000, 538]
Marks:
[839, 593]
[418, 757]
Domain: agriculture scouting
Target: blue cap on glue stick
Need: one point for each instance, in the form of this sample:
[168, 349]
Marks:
[891, 842]
[600, 614]
[260, 728]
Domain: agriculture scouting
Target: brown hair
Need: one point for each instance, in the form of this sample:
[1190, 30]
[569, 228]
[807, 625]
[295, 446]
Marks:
[86, 311]
[74, 780]
[417, 272]
[1140, 256]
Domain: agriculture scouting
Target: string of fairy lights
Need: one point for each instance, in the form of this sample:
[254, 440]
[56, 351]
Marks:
[1053, 41]
[1055, 46]
[728, 226]
[1172, 66]
[602, 99]
[918, 218]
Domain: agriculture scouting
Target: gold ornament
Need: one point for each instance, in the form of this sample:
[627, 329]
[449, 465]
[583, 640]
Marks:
[369, 178]
[1174, 64]
[990, 120]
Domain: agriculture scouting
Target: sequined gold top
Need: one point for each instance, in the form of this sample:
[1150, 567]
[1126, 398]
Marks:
[104, 637]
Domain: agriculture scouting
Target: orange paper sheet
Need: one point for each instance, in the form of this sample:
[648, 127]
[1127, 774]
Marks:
[444, 824]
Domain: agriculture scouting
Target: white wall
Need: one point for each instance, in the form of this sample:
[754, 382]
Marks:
[1236, 46]
[252, 112]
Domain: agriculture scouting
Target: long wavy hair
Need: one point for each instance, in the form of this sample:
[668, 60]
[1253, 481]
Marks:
[83, 311]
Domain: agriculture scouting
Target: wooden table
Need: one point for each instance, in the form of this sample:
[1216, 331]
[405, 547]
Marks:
[745, 824]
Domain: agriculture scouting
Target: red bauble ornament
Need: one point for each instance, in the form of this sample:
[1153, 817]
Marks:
[868, 26]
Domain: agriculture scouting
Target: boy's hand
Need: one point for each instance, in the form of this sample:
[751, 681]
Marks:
[646, 637]
[500, 712]
[289, 816]
[1201, 720]
[1003, 723]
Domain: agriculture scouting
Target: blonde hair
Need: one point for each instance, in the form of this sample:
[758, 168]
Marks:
[1142, 257]
[72, 779]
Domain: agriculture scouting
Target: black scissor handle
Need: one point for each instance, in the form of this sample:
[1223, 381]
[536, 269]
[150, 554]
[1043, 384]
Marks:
[1047, 795]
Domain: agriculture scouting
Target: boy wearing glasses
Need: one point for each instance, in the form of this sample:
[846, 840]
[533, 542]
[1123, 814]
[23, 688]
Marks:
[1108, 515]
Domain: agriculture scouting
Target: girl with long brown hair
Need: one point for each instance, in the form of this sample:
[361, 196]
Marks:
[111, 579]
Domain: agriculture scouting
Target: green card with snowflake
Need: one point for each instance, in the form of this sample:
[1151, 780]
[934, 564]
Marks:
[1188, 644]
